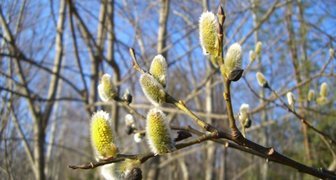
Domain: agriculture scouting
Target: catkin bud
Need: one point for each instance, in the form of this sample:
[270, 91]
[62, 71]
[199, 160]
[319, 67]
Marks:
[261, 80]
[252, 55]
[138, 137]
[158, 69]
[152, 89]
[106, 90]
[221, 15]
[311, 95]
[119, 170]
[129, 120]
[291, 100]
[158, 132]
[127, 96]
[258, 48]
[102, 136]
[233, 59]
[324, 89]
[243, 112]
[208, 33]
[243, 115]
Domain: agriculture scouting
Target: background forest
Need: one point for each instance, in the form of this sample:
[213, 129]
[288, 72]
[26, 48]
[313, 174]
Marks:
[53, 53]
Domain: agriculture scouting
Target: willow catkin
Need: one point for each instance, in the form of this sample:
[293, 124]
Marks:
[208, 33]
[158, 69]
[102, 136]
[158, 132]
[261, 79]
[152, 89]
[233, 59]
[106, 90]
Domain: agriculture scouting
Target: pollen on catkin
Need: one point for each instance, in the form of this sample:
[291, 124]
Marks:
[208, 33]
[152, 89]
[158, 69]
[106, 90]
[311, 95]
[158, 132]
[233, 58]
[261, 79]
[102, 136]
[258, 48]
[290, 100]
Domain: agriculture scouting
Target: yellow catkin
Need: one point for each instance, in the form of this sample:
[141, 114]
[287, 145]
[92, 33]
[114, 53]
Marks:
[258, 48]
[102, 136]
[311, 95]
[152, 89]
[322, 100]
[208, 33]
[158, 69]
[158, 132]
[324, 89]
[261, 79]
[252, 56]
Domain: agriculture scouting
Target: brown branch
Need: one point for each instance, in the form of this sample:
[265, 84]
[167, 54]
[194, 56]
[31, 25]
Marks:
[237, 137]
[142, 157]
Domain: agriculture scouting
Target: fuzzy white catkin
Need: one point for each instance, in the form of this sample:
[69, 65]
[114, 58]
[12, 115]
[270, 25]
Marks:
[261, 79]
[252, 55]
[208, 33]
[152, 89]
[291, 100]
[138, 137]
[258, 48]
[324, 89]
[109, 172]
[311, 95]
[158, 69]
[243, 112]
[233, 57]
[106, 91]
[129, 120]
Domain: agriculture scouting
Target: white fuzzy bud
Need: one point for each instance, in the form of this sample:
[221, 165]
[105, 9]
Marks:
[106, 90]
[261, 79]
[291, 100]
[158, 69]
[129, 120]
[138, 137]
[243, 112]
[252, 55]
[152, 89]
[258, 48]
